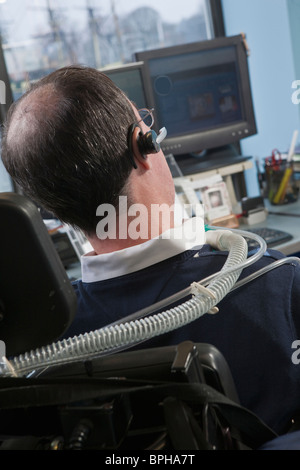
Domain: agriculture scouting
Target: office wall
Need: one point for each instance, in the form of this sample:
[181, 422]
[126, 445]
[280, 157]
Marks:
[293, 7]
[271, 28]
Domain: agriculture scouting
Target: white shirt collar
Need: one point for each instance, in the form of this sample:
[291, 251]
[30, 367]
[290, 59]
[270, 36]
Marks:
[189, 235]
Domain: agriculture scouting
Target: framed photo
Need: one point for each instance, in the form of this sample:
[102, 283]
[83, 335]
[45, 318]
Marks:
[216, 201]
[209, 193]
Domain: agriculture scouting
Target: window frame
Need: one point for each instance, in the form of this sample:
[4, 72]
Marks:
[217, 17]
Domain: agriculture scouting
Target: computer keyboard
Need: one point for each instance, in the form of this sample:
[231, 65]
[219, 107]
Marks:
[272, 237]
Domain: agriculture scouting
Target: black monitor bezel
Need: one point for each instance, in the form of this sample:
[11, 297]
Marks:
[212, 138]
[124, 68]
[4, 77]
[4, 107]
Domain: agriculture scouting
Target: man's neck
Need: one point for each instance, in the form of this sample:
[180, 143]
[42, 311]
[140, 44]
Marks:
[132, 237]
[109, 246]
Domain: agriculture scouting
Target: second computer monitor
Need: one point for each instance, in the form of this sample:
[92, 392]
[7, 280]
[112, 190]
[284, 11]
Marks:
[128, 78]
[201, 93]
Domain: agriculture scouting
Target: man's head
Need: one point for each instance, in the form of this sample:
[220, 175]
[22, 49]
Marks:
[65, 144]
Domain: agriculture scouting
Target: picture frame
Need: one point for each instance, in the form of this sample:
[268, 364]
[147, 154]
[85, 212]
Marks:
[210, 193]
[216, 201]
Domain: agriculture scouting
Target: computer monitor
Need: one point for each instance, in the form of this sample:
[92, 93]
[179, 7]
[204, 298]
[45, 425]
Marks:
[128, 78]
[6, 99]
[6, 95]
[201, 93]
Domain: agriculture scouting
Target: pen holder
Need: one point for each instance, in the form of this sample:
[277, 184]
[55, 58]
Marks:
[280, 182]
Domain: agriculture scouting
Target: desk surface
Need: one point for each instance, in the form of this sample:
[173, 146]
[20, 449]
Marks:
[288, 223]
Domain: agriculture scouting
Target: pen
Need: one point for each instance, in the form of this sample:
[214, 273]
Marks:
[283, 213]
[280, 195]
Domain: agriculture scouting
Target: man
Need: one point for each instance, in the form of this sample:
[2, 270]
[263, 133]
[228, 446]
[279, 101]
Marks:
[76, 145]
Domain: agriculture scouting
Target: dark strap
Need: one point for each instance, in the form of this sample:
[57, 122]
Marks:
[254, 431]
[18, 393]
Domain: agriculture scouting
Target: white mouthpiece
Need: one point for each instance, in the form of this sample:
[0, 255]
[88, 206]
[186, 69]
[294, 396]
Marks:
[161, 135]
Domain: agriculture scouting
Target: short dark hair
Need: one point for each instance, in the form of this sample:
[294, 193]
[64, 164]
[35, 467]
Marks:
[71, 153]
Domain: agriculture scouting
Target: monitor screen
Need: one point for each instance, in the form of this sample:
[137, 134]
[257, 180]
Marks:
[128, 78]
[201, 93]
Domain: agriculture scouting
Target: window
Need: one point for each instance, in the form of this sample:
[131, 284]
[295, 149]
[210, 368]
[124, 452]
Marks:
[39, 36]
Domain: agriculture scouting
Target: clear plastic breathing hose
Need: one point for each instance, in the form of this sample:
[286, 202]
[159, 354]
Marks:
[262, 247]
[131, 331]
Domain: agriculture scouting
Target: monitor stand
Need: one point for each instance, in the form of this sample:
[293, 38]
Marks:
[209, 159]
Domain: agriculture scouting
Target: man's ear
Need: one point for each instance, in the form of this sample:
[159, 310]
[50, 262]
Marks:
[136, 145]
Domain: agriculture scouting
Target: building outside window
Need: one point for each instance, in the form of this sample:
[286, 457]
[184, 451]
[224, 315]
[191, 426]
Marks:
[39, 36]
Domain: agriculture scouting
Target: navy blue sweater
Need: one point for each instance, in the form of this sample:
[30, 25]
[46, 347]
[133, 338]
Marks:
[254, 329]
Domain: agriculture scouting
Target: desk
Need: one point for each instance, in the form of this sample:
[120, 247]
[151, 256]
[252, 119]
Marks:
[192, 172]
[287, 223]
